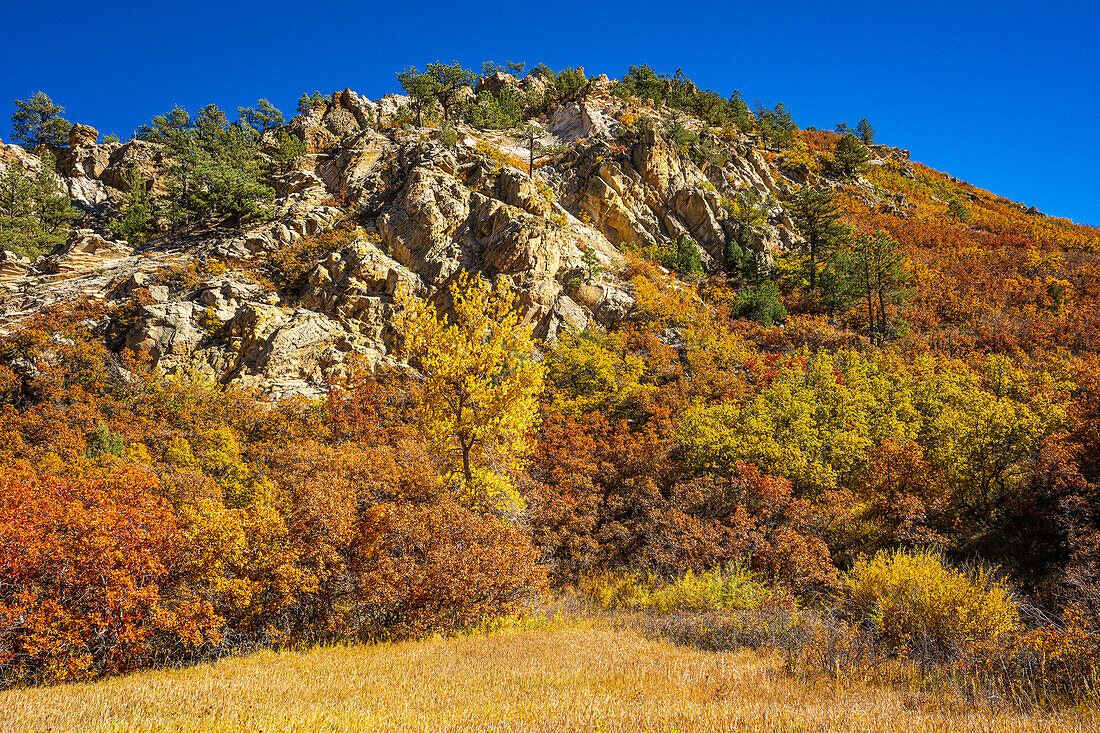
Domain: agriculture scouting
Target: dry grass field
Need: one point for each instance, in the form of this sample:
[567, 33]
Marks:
[569, 675]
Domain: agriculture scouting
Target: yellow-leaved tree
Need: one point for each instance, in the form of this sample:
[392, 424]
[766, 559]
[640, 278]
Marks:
[479, 386]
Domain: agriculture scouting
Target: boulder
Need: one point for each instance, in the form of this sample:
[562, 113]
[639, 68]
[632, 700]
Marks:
[82, 136]
[696, 207]
[85, 250]
[167, 330]
[426, 228]
[356, 286]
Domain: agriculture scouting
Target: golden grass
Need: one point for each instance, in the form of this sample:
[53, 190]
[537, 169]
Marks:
[579, 675]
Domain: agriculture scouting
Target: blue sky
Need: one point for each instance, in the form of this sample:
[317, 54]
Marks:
[1004, 95]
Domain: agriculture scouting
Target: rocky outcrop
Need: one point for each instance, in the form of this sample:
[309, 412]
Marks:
[13, 267]
[85, 250]
[356, 286]
[423, 212]
[426, 228]
[276, 350]
[83, 136]
[494, 82]
[167, 333]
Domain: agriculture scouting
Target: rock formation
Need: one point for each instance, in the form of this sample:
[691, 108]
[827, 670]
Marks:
[423, 211]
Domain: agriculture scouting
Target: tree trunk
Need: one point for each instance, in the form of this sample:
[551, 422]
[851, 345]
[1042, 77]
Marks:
[466, 459]
[871, 313]
[813, 265]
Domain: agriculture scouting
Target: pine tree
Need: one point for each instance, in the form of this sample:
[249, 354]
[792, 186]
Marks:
[447, 80]
[776, 125]
[739, 111]
[35, 214]
[38, 121]
[306, 102]
[422, 90]
[216, 168]
[866, 132]
[850, 155]
[135, 220]
[876, 271]
[817, 218]
[262, 118]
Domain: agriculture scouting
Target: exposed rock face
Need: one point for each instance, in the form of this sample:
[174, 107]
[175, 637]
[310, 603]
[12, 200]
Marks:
[425, 213]
[494, 82]
[13, 267]
[83, 136]
[85, 250]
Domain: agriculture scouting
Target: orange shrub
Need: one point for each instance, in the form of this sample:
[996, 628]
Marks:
[90, 582]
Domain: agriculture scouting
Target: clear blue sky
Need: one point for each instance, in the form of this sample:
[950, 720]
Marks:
[1003, 94]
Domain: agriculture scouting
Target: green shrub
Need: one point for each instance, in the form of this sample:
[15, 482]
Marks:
[101, 441]
[681, 256]
[761, 304]
[135, 220]
[507, 109]
[679, 92]
[958, 210]
[448, 136]
[684, 258]
[287, 148]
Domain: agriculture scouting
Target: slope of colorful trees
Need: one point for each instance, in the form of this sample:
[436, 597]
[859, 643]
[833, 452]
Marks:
[147, 520]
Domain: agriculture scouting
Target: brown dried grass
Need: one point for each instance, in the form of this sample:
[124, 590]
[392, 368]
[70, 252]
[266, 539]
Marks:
[562, 675]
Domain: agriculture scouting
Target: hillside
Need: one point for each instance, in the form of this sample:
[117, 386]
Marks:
[401, 206]
[392, 367]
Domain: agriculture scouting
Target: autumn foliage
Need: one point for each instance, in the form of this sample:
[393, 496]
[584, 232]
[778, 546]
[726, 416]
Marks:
[844, 460]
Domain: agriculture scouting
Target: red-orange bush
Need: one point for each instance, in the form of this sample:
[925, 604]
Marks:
[89, 577]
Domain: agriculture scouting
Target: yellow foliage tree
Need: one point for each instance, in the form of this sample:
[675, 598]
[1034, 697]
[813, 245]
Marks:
[478, 395]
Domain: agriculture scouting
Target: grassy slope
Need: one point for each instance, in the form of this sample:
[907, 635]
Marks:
[577, 675]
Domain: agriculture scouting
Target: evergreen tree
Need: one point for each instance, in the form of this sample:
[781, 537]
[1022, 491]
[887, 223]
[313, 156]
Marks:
[567, 85]
[683, 257]
[35, 214]
[422, 90]
[174, 132]
[958, 210]
[447, 80]
[230, 170]
[877, 272]
[739, 111]
[38, 121]
[532, 131]
[262, 118]
[287, 148]
[838, 281]
[850, 155]
[216, 168]
[817, 218]
[866, 132]
[776, 125]
[504, 110]
[135, 221]
[307, 101]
